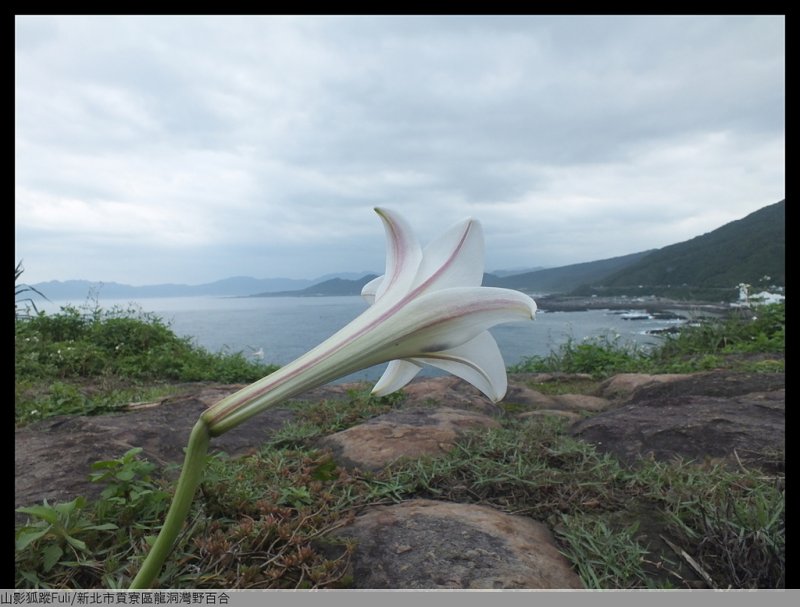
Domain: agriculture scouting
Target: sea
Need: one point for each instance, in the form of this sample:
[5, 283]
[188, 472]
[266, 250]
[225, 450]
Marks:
[279, 329]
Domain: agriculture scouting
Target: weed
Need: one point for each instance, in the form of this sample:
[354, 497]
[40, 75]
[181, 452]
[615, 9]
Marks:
[735, 530]
[598, 356]
[55, 533]
[130, 493]
[602, 557]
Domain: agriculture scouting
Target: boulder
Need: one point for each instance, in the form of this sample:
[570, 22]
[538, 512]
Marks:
[527, 398]
[580, 402]
[53, 458]
[712, 383]
[424, 544]
[622, 385]
[705, 416]
[409, 433]
[448, 391]
[570, 416]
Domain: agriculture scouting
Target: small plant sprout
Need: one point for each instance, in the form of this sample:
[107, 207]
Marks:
[427, 309]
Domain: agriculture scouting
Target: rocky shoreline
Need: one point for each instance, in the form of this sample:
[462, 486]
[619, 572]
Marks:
[558, 303]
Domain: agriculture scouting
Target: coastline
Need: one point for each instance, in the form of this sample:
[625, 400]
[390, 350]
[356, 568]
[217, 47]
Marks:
[559, 303]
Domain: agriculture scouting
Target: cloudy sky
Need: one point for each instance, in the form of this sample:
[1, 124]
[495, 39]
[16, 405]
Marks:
[189, 149]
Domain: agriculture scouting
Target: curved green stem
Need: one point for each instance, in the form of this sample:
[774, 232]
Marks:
[190, 478]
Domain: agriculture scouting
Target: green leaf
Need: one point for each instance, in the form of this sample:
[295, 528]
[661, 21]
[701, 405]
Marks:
[103, 527]
[77, 543]
[125, 474]
[50, 556]
[109, 493]
[68, 508]
[25, 538]
[45, 512]
[33, 579]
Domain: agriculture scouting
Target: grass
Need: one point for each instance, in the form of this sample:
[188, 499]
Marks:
[264, 521]
[711, 345]
[92, 361]
[603, 557]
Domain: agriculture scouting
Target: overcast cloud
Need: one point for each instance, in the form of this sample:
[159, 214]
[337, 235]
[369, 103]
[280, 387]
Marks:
[189, 149]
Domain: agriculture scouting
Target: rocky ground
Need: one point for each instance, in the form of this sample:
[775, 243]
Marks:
[720, 416]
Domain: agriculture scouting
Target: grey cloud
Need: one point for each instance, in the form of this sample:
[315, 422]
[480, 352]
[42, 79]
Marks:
[280, 133]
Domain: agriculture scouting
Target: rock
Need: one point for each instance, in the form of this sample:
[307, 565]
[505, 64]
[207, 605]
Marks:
[53, 458]
[450, 392]
[713, 383]
[555, 376]
[580, 402]
[570, 416]
[408, 433]
[622, 385]
[710, 415]
[424, 544]
[528, 398]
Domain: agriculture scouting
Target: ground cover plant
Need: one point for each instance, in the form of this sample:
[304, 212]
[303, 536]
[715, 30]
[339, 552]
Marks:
[262, 521]
[89, 361]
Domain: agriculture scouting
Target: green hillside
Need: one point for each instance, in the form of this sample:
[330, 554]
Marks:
[746, 250]
[564, 278]
[708, 266]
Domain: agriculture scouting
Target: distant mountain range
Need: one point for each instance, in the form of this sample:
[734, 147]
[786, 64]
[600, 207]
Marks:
[235, 286]
[750, 250]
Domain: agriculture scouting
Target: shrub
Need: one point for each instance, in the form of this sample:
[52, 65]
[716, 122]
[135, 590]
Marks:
[119, 348]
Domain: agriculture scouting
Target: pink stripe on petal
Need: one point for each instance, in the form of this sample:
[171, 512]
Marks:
[403, 255]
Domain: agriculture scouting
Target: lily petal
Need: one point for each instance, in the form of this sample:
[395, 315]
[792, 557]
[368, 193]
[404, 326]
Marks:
[478, 362]
[446, 319]
[455, 259]
[397, 375]
[403, 256]
[369, 290]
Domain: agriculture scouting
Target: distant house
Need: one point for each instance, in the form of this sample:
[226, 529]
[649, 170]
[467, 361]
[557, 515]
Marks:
[765, 297]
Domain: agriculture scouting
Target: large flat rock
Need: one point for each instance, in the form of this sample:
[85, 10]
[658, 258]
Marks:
[53, 458]
[704, 416]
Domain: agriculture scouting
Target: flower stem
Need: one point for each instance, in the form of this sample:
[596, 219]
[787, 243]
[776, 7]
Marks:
[190, 478]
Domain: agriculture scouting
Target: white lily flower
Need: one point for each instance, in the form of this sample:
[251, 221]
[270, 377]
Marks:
[428, 308]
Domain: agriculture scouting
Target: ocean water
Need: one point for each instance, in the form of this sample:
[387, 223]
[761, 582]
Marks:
[287, 327]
